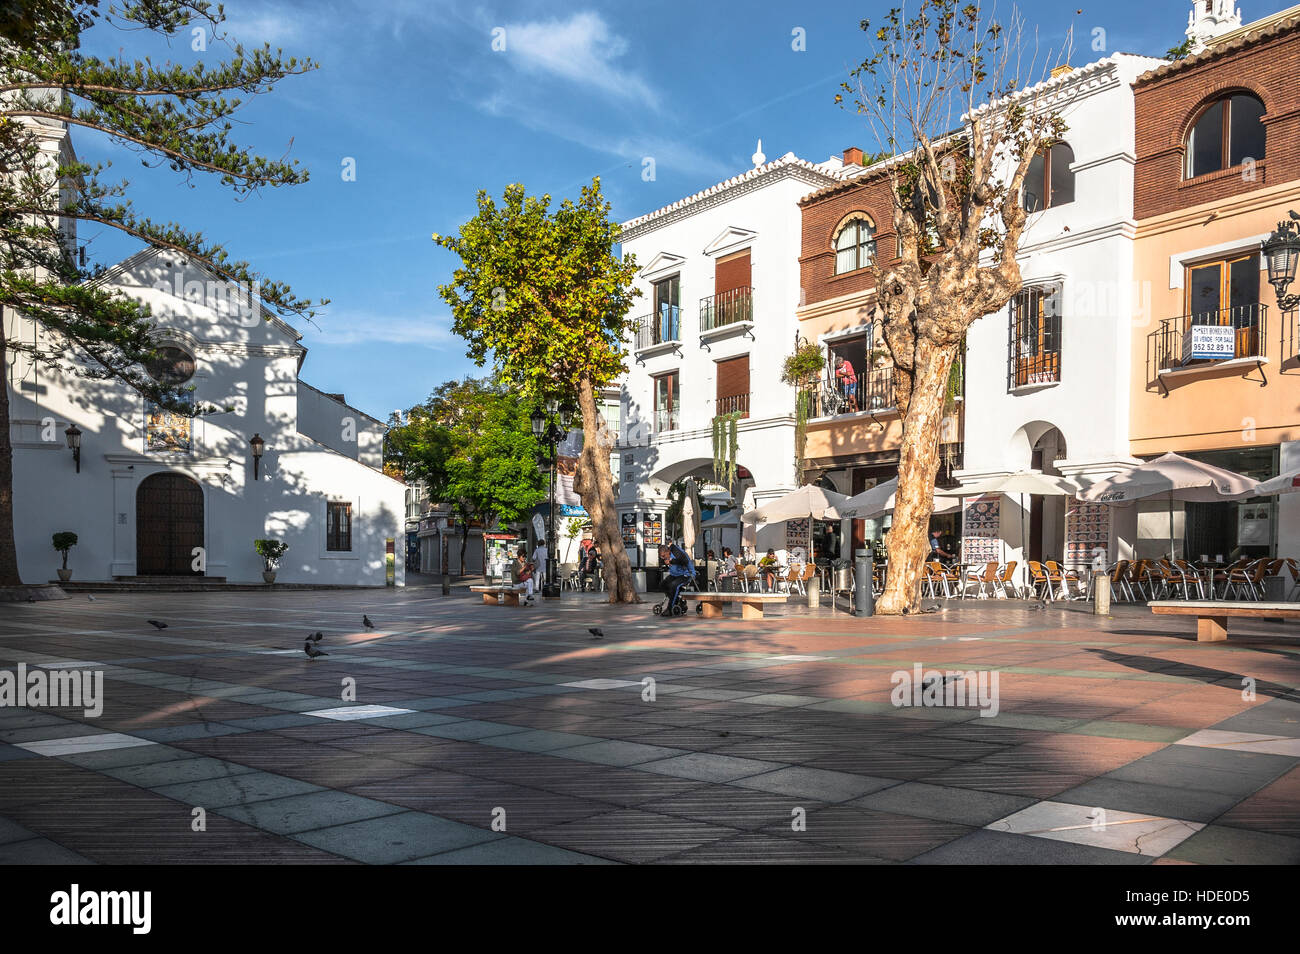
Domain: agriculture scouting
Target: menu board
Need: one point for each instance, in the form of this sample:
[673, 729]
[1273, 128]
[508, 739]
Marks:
[629, 529]
[1087, 533]
[796, 533]
[981, 538]
[652, 527]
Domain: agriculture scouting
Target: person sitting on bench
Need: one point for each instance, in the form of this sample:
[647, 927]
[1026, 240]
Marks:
[524, 575]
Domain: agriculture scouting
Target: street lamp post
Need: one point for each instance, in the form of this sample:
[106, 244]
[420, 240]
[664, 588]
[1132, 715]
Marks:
[551, 427]
[1282, 253]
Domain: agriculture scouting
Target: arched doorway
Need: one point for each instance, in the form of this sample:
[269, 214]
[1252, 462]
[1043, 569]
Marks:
[168, 525]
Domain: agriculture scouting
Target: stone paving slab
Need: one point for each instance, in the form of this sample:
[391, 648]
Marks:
[478, 739]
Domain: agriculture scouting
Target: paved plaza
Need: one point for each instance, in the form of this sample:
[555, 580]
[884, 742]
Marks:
[487, 735]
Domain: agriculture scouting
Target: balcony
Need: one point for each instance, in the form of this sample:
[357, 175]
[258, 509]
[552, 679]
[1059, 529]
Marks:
[731, 404]
[1208, 341]
[873, 393]
[667, 419]
[725, 313]
[658, 333]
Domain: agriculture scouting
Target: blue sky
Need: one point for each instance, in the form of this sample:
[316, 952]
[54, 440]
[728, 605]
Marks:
[415, 94]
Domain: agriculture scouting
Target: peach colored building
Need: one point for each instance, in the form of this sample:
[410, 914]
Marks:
[1215, 374]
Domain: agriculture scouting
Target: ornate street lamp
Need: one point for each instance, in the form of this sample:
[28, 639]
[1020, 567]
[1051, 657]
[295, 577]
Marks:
[258, 446]
[1282, 253]
[73, 436]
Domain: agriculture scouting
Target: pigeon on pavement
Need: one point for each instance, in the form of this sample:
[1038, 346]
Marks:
[156, 624]
[89, 597]
[365, 621]
[596, 632]
[311, 651]
[1040, 605]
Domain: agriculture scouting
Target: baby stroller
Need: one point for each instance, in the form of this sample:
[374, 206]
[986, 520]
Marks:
[678, 607]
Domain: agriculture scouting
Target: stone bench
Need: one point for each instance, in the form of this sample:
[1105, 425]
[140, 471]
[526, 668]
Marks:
[494, 595]
[1212, 615]
[751, 604]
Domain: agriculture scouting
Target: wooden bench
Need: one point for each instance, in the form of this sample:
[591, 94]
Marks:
[508, 595]
[751, 604]
[1212, 615]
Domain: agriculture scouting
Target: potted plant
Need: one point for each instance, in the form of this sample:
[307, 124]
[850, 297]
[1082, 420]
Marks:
[63, 542]
[270, 551]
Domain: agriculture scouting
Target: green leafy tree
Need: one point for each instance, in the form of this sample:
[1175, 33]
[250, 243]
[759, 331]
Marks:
[472, 444]
[544, 295]
[171, 114]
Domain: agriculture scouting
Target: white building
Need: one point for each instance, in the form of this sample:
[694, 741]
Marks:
[720, 280]
[1045, 382]
[167, 495]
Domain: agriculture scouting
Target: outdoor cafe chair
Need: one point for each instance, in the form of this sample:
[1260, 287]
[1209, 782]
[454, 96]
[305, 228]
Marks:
[1006, 579]
[1062, 578]
[1150, 579]
[1040, 582]
[749, 580]
[809, 571]
[981, 579]
[1179, 576]
[789, 583]
[1224, 576]
[1119, 583]
[937, 578]
[1248, 580]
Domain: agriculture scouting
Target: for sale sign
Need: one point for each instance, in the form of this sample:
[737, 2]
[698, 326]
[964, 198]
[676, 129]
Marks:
[1209, 341]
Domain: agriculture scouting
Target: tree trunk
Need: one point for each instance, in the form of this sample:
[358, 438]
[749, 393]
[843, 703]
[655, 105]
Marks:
[917, 467]
[9, 575]
[464, 543]
[594, 483]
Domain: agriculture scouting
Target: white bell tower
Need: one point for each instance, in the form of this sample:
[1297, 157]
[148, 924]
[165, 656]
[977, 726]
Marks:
[1211, 18]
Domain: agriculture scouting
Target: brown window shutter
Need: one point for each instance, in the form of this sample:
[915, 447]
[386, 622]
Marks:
[731, 273]
[733, 385]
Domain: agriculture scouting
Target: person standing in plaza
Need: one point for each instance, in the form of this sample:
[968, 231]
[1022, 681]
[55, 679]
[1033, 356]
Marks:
[539, 558]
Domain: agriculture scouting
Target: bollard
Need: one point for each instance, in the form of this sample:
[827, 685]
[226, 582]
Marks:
[814, 589]
[1100, 593]
[865, 598]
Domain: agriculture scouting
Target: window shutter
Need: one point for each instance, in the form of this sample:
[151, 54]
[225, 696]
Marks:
[731, 273]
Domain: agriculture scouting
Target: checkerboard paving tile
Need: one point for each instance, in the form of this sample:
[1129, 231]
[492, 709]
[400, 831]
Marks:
[766, 741]
[350, 713]
[1244, 742]
[1098, 826]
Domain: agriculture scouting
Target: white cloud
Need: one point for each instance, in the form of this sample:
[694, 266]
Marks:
[428, 331]
[581, 49]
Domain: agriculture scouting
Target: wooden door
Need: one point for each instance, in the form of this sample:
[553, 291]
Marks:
[168, 525]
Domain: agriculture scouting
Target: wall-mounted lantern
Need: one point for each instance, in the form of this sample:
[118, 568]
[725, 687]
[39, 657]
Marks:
[73, 435]
[1281, 253]
[258, 446]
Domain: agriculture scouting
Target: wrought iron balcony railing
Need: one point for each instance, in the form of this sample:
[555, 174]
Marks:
[657, 329]
[731, 404]
[728, 308]
[1218, 335]
[873, 391]
[667, 419]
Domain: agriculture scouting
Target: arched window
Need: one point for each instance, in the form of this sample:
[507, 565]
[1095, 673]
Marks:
[1227, 133]
[855, 245]
[171, 365]
[1049, 181]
